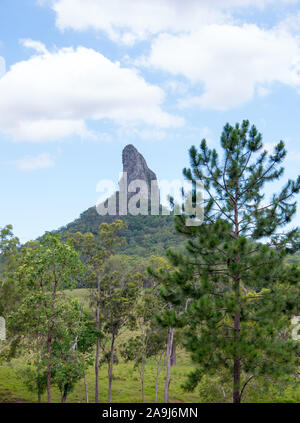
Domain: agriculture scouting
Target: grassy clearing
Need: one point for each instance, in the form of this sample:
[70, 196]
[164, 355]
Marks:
[127, 385]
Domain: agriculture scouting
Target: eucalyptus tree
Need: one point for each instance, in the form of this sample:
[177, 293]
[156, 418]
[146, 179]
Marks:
[9, 253]
[95, 250]
[44, 270]
[119, 292]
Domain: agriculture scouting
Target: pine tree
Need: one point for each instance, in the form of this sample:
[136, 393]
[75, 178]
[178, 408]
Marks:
[240, 293]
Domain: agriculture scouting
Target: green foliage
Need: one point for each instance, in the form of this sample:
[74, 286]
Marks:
[126, 387]
[49, 265]
[119, 292]
[144, 235]
[9, 253]
[45, 321]
[238, 293]
[34, 381]
[149, 339]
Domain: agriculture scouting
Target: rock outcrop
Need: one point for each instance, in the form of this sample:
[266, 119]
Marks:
[136, 168]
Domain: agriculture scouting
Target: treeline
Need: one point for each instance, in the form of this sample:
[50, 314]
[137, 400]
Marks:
[228, 299]
[59, 335]
[144, 236]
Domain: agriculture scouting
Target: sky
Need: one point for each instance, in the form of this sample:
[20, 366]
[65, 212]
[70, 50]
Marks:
[80, 79]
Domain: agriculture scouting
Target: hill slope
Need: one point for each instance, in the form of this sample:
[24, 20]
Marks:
[145, 235]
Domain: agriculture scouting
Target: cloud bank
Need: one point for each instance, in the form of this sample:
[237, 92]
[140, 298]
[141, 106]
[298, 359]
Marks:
[52, 95]
[224, 58]
[230, 62]
[128, 21]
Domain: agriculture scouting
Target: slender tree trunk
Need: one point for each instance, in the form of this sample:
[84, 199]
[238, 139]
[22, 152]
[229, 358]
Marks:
[156, 383]
[237, 361]
[49, 349]
[39, 393]
[168, 360]
[64, 397]
[237, 318]
[49, 341]
[86, 388]
[143, 379]
[97, 371]
[98, 340]
[173, 354]
[111, 364]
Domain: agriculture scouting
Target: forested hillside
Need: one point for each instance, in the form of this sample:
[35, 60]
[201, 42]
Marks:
[145, 235]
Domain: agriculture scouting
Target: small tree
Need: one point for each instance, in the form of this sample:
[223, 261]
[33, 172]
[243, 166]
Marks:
[173, 305]
[35, 379]
[68, 370]
[9, 253]
[119, 292]
[44, 269]
[241, 294]
[150, 340]
[86, 339]
[95, 251]
[69, 361]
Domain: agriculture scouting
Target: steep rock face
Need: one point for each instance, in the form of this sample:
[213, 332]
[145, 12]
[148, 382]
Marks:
[145, 234]
[136, 167]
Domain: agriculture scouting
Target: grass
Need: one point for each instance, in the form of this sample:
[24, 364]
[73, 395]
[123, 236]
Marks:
[126, 383]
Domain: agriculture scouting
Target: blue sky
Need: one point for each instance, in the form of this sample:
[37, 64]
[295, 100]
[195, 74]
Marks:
[80, 79]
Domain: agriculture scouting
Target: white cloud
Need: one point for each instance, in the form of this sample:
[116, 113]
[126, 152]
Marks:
[130, 20]
[2, 66]
[29, 163]
[203, 41]
[35, 45]
[230, 62]
[291, 23]
[52, 95]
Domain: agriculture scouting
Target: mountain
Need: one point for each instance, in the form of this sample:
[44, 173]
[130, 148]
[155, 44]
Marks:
[145, 234]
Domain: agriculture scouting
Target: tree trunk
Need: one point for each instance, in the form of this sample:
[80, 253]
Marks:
[173, 354]
[237, 361]
[156, 383]
[223, 391]
[86, 388]
[49, 349]
[143, 380]
[98, 340]
[168, 359]
[38, 387]
[111, 364]
[64, 397]
[97, 371]
[237, 316]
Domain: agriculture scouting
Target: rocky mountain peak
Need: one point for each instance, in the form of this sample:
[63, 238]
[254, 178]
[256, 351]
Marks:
[136, 167]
